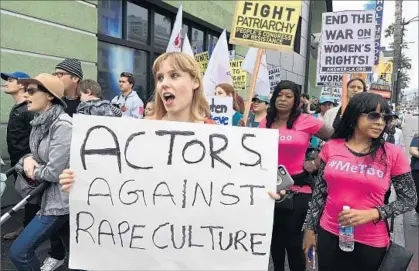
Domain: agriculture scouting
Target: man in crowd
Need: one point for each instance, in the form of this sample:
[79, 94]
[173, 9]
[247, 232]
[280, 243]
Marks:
[70, 73]
[18, 130]
[128, 101]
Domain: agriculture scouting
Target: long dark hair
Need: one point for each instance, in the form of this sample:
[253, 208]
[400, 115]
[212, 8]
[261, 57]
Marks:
[295, 111]
[364, 86]
[362, 103]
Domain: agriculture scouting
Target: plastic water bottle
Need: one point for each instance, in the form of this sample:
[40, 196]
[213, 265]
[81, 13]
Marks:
[346, 236]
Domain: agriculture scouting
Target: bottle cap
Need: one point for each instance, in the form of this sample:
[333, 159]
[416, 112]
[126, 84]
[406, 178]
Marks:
[345, 208]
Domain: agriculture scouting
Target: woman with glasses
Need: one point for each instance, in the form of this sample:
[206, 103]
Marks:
[50, 153]
[356, 170]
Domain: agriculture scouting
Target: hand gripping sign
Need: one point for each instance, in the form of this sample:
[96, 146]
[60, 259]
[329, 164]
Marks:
[158, 195]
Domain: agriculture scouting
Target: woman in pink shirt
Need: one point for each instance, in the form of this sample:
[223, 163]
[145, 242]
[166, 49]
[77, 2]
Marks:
[356, 170]
[295, 130]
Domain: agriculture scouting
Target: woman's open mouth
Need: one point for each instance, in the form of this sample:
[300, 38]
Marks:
[168, 98]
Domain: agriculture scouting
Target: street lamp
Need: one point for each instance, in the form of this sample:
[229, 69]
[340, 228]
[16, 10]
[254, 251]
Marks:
[397, 86]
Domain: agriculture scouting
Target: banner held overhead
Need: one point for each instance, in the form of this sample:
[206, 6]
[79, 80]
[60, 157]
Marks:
[265, 24]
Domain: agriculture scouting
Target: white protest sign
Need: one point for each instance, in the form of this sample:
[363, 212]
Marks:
[347, 42]
[274, 77]
[337, 93]
[221, 109]
[160, 195]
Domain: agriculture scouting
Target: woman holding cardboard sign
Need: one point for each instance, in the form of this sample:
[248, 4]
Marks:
[179, 96]
[295, 131]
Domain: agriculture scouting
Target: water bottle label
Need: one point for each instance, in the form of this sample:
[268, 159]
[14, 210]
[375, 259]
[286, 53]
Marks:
[347, 230]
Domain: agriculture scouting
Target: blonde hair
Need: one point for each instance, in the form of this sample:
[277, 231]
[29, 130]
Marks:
[229, 90]
[200, 107]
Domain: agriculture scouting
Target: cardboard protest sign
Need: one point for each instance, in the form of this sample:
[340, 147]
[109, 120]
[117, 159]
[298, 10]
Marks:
[159, 195]
[238, 74]
[265, 24]
[335, 91]
[274, 77]
[347, 42]
[202, 59]
[221, 109]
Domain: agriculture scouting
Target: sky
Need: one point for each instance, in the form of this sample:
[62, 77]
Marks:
[410, 10]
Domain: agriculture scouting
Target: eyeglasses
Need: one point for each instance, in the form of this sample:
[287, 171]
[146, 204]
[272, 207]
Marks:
[60, 74]
[32, 91]
[256, 101]
[374, 116]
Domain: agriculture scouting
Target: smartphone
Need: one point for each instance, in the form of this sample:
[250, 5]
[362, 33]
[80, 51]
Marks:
[283, 179]
[312, 258]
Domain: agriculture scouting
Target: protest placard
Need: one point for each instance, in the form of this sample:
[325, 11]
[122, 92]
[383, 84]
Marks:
[160, 195]
[265, 24]
[336, 92]
[202, 59]
[221, 109]
[347, 42]
[274, 77]
[238, 74]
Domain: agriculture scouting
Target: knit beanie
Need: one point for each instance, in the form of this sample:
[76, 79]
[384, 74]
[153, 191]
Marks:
[72, 66]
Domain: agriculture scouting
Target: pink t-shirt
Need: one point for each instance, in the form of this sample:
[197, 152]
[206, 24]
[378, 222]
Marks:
[360, 183]
[293, 144]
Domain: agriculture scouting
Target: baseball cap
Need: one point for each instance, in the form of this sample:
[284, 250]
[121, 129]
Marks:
[261, 98]
[50, 82]
[15, 75]
[326, 99]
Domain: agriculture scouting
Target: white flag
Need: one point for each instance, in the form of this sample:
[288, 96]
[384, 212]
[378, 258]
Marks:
[186, 47]
[262, 83]
[218, 69]
[175, 39]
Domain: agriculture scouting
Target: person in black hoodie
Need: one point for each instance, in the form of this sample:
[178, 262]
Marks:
[70, 73]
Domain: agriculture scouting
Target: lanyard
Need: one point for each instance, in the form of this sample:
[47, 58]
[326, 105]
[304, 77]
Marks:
[123, 107]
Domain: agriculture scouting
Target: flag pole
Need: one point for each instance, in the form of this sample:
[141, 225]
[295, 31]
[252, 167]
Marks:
[344, 92]
[252, 86]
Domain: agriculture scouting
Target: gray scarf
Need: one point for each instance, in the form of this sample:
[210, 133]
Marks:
[40, 128]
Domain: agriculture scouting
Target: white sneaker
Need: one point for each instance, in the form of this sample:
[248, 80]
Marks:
[51, 264]
[415, 220]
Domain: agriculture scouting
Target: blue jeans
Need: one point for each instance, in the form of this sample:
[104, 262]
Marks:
[22, 251]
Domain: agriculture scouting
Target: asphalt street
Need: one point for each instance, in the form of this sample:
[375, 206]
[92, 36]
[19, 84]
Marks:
[404, 233]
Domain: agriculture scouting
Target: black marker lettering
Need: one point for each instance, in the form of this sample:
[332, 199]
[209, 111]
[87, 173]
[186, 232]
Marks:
[172, 230]
[191, 143]
[190, 243]
[169, 194]
[78, 218]
[259, 160]
[109, 233]
[229, 195]
[133, 236]
[120, 233]
[253, 243]
[173, 134]
[230, 242]
[208, 202]
[251, 186]
[135, 192]
[237, 240]
[154, 235]
[90, 194]
[211, 230]
[184, 193]
[104, 151]
[130, 138]
[215, 153]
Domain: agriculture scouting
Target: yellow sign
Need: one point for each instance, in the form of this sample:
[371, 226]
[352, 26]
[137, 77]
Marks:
[202, 59]
[265, 24]
[239, 75]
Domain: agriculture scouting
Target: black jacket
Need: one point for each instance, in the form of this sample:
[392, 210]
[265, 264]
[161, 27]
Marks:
[18, 131]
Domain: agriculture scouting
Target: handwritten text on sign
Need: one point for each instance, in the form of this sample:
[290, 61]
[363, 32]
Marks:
[157, 195]
[274, 77]
[238, 74]
[265, 24]
[221, 109]
[347, 42]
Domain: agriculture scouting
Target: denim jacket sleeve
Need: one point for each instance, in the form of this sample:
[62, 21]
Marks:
[58, 152]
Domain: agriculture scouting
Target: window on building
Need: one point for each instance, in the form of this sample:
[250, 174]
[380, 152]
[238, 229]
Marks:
[137, 23]
[132, 34]
[297, 37]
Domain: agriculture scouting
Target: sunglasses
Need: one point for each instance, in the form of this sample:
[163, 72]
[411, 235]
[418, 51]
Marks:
[374, 116]
[32, 91]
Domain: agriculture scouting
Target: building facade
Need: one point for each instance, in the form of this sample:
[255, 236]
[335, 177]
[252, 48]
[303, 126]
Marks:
[111, 36]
